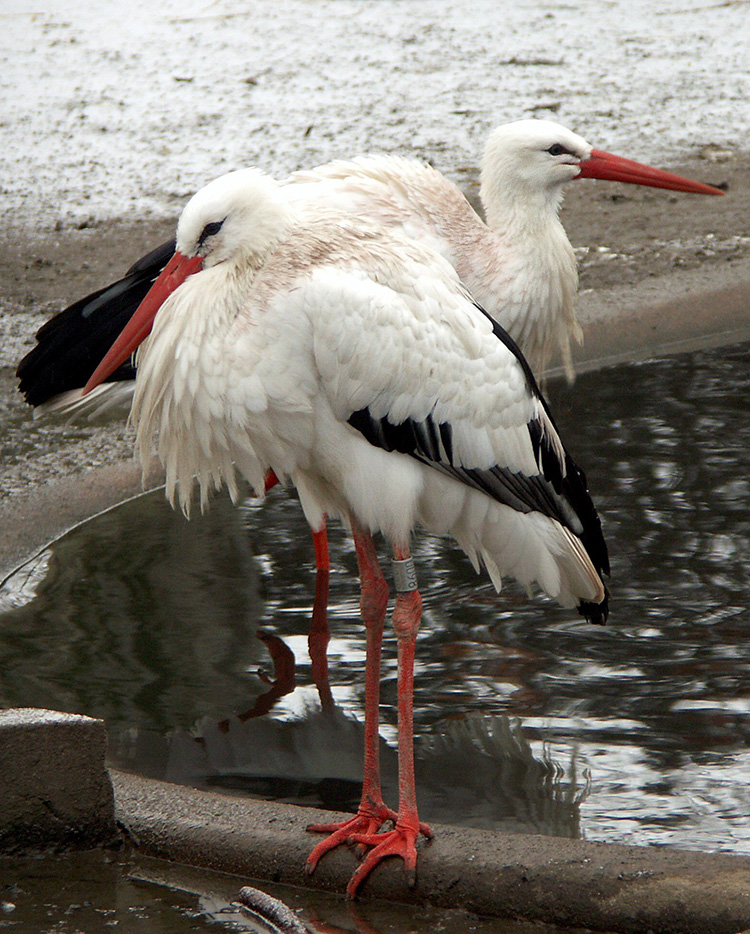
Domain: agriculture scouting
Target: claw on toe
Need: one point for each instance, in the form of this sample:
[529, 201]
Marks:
[398, 842]
[366, 823]
[364, 830]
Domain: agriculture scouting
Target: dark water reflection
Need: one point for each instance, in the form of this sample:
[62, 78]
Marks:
[151, 622]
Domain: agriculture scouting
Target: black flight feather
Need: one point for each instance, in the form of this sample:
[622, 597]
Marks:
[71, 345]
[559, 490]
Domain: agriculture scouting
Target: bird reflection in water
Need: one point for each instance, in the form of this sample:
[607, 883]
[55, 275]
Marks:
[313, 759]
[137, 617]
[283, 682]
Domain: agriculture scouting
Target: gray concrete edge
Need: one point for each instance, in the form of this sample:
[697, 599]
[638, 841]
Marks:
[604, 887]
[627, 324]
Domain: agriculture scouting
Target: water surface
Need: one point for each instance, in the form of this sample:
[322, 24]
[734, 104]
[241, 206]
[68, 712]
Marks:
[527, 717]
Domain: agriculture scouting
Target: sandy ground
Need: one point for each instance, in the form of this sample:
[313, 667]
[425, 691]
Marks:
[113, 109]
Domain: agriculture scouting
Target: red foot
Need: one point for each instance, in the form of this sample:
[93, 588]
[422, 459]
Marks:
[367, 821]
[401, 841]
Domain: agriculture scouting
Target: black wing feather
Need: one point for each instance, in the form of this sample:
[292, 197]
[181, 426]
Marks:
[72, 344]
[559, 490]
[418, 439]
[574, 481]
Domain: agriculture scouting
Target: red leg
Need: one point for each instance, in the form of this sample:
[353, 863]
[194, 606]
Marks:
[401, 841]
[271, 480]
[283, 683]
[319, 636]
[372, 812]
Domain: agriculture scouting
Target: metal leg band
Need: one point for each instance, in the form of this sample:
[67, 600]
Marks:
[404, 575]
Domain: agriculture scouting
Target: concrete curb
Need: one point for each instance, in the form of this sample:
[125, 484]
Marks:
[704, 319]
[54, 788]
[603, 887]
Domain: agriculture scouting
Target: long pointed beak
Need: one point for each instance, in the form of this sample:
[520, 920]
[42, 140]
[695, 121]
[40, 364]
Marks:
[139, 326]
[602, 164]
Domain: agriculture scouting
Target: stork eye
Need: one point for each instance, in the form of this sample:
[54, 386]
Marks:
[209, 231]
[556, 149]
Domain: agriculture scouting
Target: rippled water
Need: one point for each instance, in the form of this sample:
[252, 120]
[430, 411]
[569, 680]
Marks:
[635, 732]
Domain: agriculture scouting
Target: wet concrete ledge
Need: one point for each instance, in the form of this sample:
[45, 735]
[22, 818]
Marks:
[54, 788]
[656, 319]
[604, 887]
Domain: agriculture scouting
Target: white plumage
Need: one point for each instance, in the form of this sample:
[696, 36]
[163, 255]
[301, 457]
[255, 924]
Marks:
[519, 265]
[261, 360]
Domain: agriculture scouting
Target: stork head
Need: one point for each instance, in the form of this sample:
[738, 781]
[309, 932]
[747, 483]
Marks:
[536, 155]
[236, 218]
[527, 163]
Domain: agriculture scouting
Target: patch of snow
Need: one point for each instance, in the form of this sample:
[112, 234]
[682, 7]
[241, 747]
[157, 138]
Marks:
[111, 109]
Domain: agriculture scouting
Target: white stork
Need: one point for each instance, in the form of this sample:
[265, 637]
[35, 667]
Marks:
[352, 361]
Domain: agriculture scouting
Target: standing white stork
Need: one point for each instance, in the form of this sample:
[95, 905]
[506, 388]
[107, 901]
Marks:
[519, 265]
[353, 361]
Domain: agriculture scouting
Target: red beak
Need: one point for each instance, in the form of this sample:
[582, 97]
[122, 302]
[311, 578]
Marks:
[139, 327]
[602, 164]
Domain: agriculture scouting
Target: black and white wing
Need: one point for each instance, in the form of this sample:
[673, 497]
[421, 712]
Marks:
[425, 372]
